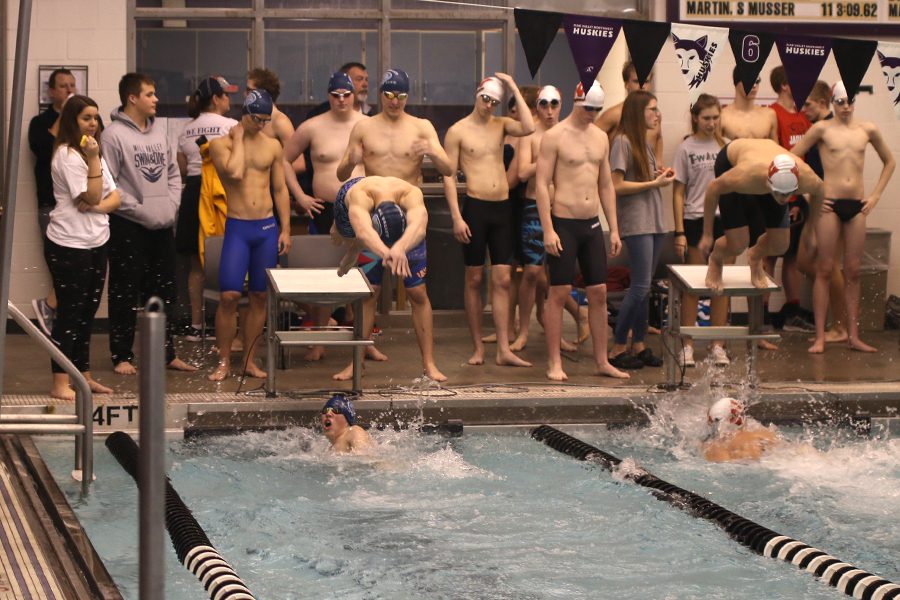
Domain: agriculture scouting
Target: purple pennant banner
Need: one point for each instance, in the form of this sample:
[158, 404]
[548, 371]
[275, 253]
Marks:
[803, 58]
[590, 40]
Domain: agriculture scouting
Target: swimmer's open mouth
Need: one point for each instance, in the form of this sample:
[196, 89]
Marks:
[327, 423]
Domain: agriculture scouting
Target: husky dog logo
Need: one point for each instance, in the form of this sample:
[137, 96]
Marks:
[890, 67]
[695, 58]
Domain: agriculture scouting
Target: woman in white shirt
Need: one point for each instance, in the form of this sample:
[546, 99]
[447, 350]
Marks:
[79, 228]
[207, 107]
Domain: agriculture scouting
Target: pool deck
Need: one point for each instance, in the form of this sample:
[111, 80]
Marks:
[794, 385]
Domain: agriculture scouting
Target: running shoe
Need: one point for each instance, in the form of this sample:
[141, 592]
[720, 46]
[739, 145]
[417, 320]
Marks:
[719, 356]
[626, 361]
[45, 315]
[647, 357]
[686, 357]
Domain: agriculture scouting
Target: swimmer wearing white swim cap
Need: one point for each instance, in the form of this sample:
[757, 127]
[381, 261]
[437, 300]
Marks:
[731, 435]
[484, 217]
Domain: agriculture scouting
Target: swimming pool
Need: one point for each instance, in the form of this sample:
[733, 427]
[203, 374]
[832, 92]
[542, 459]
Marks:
[502, 516]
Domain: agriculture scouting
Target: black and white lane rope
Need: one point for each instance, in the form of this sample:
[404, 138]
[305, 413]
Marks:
[192, 546]
[844, 576]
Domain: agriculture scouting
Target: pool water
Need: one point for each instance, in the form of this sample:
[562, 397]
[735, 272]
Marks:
[501, 516]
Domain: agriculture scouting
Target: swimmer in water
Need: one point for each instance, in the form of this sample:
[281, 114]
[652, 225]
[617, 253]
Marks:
[731, 436]
[338, 421]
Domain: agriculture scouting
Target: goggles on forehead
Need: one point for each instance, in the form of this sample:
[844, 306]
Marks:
[397, 95]
[545, 103]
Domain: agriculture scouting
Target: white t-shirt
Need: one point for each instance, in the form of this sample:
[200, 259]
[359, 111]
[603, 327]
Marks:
[695, 161]
[211, 125]
[70, 227]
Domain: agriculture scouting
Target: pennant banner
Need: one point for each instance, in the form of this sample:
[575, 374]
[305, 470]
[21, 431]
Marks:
[645, 39]
[750, 53]
[537, 30]
[889, 57]
[590, 40]
[803, 58]
[697, 49]
[852, 58]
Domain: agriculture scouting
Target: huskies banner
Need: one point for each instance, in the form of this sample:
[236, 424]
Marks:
[750, 53]
[889, 57]
[590, 40]
[697, 48]
[645, 39]
[537, 30]
[852, 58]
[803, 58]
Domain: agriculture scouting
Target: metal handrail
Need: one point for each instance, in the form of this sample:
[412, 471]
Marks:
[84, 402]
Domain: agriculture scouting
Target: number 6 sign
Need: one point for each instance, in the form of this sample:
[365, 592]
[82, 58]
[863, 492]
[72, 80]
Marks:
[750, 48]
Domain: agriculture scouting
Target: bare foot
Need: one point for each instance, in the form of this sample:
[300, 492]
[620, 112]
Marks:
[373, 353]
[766, 345]
[63, 393]
[179, 365]
[556, 374]
[653, 330]
[477, 357]
[237, 345]
[520, 343]
[346, 374]
[758, 276]
[254, 371]
[832, 336]
[860, 346]
[99, 388]
[124, 368]
[432, 372]
[818, 347]
[564, 345]
[511, 360]
[221, 373]
[489, 339]
[315, 353]
[714, 275]
[610, 371]
[584, 331]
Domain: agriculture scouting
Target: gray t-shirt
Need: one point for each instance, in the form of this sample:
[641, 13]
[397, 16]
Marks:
[640, 213]
[695, 162]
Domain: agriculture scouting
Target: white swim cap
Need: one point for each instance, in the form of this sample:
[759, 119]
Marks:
[725, 415]
[549, 93]
[784, 176]
[491, 87]
[594, 98]
[838, 91]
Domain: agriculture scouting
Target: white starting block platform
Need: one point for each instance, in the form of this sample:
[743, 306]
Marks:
[315, 286]
[691, 279]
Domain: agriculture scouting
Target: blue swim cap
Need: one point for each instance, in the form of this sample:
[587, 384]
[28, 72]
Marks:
[257, 102]
[389, 222]
[341, 404]
[340, 81]
[395, 80]
[341, 214]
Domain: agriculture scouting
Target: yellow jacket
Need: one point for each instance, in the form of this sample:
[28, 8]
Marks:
[213, 206]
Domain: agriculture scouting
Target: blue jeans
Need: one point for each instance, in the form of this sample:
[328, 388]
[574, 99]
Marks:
[643, 254]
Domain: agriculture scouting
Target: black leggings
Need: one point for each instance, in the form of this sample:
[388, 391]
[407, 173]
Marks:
[78, 277]
[582, 240]
[141, 265]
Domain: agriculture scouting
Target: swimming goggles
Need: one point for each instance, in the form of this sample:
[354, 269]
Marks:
[592, 108]
[330, 410]
[338, 94]
[397, 95]
[843, 101]
[551, 103]
[488, 100]
[261, 121]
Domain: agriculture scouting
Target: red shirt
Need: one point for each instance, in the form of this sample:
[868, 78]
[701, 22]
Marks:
[791, 126]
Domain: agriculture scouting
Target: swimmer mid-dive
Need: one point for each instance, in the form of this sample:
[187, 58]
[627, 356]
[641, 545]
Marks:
[338, 421]
[730, 437]
[382, 221]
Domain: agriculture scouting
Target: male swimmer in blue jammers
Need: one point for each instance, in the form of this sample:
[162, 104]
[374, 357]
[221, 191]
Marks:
[732, 436]
[384, 218]
[249, 164]
[338, 421]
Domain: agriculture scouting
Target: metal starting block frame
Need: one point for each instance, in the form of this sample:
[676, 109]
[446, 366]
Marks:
[691, 279]
[315, 286]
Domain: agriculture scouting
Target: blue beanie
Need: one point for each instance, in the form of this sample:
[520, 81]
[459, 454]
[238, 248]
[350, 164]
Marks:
[258, 102]
[396, 81]
[340, 81]
[341, 404]
[389, 222]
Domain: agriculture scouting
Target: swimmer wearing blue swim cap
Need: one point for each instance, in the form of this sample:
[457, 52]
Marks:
[338, 420]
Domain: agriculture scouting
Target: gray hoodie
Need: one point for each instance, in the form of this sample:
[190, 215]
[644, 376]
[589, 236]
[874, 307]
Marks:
[145, 170]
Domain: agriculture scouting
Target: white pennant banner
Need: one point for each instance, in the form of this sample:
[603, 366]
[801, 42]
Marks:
[697, 48]
[889, 56]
